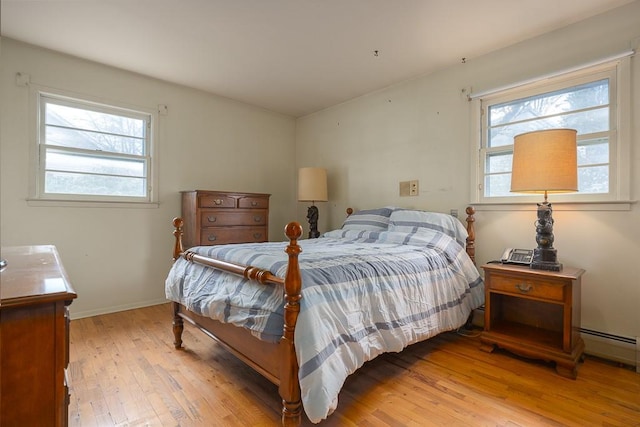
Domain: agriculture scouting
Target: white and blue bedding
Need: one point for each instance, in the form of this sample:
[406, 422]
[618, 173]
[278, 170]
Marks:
[363, 293]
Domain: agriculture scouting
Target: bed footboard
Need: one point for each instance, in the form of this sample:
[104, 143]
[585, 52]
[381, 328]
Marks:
[277, 362]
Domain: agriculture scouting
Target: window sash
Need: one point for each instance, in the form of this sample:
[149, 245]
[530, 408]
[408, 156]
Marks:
[488, 155]
[115, 166]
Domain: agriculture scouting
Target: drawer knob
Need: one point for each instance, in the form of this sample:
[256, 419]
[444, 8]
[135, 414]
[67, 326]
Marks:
[211, 218]
[524, 287]
[257, 219]
[211, 238]
[257, 235]
[254, 203]
[217, 201]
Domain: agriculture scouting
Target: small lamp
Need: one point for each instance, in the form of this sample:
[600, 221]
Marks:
[545, 162]
[312, 187]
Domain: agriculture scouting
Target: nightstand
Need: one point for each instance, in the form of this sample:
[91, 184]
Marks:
[534, 313]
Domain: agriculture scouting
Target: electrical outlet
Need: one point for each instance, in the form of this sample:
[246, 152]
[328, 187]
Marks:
[413, 188]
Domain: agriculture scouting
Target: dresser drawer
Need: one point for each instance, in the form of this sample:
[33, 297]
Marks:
[223, 236]
[527, 286]
[219, 218]
[216, 201]
[253, 202]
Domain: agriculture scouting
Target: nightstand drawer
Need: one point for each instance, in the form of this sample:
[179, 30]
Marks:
[223, 236]
[528, 287]
[216, 218]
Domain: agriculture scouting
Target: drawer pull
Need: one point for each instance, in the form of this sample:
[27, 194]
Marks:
[254, 203]
[217, 201]
[211, 218]
[257, 219]
[211, 238]
[257, 235]
[524, 287]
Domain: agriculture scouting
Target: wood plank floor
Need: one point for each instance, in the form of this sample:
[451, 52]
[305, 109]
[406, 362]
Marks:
[125, 372]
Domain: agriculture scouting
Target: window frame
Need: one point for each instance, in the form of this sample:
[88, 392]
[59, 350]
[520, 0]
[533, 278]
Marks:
[618, 72]
[39, 96]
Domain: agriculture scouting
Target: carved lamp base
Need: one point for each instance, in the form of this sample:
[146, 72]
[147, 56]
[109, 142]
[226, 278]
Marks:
[312, 216]
[545, 257]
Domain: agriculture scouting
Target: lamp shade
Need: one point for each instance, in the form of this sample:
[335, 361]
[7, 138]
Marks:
[545, 161]
[312, 185]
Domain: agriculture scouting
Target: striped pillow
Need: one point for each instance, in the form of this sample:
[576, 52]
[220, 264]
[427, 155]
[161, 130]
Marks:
[369, 220]
[411, 221]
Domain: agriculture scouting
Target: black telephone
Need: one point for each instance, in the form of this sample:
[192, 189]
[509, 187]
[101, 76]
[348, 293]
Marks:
[517, 256]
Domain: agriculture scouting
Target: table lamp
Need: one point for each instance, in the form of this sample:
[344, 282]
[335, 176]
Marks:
[312, 187]
[545, 162]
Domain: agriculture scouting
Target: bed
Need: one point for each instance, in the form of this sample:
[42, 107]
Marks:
[307, 313]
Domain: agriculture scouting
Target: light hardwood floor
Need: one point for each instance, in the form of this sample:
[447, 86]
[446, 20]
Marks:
[125, 372]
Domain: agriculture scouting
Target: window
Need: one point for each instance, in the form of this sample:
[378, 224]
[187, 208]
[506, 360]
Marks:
[586, 100]
[93, 152]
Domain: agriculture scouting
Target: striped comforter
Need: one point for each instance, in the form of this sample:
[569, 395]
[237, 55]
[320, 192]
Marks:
[363, 293]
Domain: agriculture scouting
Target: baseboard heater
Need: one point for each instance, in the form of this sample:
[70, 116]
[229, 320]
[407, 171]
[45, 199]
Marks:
[618, 348]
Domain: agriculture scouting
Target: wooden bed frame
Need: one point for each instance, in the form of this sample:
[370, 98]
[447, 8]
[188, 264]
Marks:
[275, 361]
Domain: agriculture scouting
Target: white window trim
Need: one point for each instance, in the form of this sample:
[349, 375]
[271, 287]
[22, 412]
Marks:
[36, 196]
[620, 196]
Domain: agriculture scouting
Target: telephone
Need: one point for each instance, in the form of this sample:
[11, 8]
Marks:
[517, 256]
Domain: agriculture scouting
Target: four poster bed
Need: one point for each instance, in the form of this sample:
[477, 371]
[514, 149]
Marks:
[388, 278]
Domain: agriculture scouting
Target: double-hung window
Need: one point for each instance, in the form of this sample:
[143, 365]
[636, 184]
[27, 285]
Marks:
[585, 100]
[92, 152]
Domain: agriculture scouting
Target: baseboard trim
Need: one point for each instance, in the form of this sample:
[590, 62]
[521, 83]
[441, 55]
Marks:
[116, 309]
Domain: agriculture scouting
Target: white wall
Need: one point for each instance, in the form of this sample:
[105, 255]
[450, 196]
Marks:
[118, 258]
[421, 129]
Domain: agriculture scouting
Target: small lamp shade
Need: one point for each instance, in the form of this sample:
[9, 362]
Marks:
[545, 161]
[312, 185]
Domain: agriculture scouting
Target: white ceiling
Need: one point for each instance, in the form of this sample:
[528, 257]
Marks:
[290, 56]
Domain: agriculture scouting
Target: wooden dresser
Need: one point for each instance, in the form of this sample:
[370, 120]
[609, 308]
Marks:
[34, 337]
[221, 217]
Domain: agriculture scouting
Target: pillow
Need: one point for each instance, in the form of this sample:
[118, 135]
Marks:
[368, 219]
[411, 221]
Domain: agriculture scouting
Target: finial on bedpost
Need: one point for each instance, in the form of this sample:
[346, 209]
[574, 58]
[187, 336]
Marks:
[289, 383]
[177, 233]
[471, 239]
[349, 211]
[293, 230]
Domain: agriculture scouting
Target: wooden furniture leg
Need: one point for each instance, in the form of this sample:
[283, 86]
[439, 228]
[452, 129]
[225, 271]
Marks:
[178, 326]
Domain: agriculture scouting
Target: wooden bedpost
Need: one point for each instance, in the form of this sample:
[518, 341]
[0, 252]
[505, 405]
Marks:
[471, 239]
[289, 382]
[177, 233]
[178, 323]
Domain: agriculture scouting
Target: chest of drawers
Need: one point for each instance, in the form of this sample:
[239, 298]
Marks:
[221, 217]
[34, 336]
